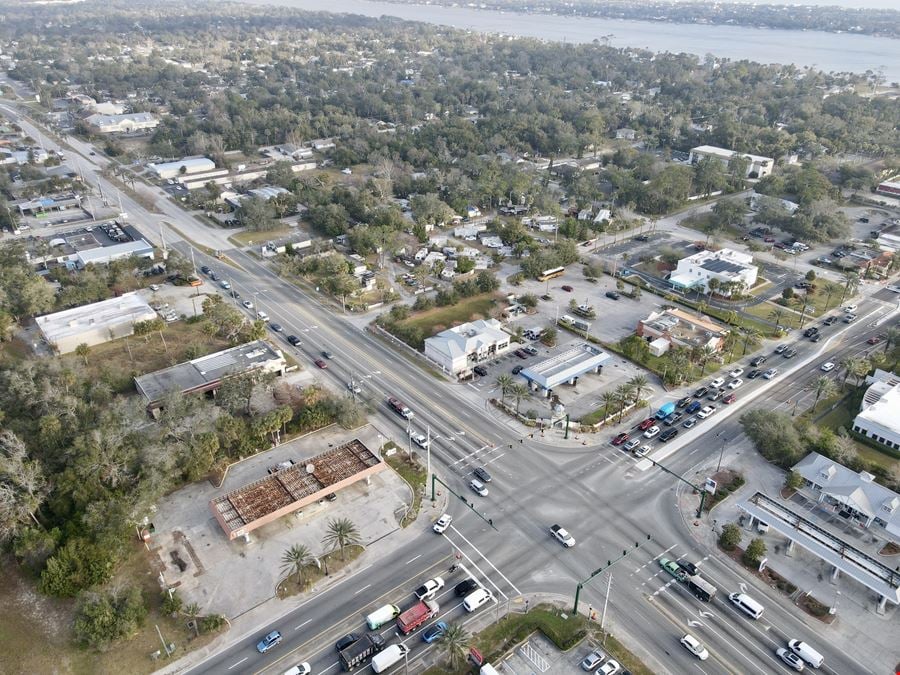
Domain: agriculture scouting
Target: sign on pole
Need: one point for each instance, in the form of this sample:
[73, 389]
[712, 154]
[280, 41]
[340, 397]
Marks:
[710, 486]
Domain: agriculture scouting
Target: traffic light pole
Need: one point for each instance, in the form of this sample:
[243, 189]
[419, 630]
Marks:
[435, 479]
[601, 570]
[686, 481]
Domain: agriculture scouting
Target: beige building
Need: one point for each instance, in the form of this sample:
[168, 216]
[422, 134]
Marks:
[94, 324]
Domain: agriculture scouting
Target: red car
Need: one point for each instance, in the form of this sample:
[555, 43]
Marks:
[321, 363]
[874, 340]
[731, 398]
[769, 240]
[621, 438]
[567, 289]
[521, 354]
[647, 423]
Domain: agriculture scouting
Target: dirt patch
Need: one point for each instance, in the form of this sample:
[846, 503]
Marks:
[889, 549]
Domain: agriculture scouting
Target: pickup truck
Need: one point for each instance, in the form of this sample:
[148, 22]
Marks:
[562, 536]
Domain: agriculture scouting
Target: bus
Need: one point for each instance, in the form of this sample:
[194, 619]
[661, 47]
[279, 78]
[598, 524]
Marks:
[700, 587]
[552, 273]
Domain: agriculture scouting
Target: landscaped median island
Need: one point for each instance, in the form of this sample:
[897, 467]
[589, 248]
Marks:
[565, 630]
[412, 472]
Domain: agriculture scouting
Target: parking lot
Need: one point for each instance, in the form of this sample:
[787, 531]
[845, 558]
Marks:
[229, 577]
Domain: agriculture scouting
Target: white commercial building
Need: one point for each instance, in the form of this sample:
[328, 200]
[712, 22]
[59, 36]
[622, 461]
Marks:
[457, 350]
[122, 124]
[186, 166]
[855, 496]
[879, 417]
[96, 323]
[565, 368]
[757, 166]
[725, 265]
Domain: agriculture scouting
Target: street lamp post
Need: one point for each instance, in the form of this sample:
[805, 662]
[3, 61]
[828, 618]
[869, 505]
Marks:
[721, 452]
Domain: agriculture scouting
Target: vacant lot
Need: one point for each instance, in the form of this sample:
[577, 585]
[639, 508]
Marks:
[118, 362]
[432, 321]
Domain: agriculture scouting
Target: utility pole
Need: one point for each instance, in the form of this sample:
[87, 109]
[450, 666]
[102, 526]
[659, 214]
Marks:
[428, 450]
[722, 452]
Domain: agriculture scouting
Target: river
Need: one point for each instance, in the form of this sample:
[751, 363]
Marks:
[830, 52]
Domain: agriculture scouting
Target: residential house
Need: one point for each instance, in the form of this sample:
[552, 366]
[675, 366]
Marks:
[671, 328]
[626, 134]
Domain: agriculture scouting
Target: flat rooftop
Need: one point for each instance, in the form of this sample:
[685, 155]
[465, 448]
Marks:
[563, 366]
[267, 499]
[207, 371]
[128, 307]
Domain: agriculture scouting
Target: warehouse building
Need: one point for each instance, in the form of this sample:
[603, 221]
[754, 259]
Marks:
[182, 167]
[94, 324]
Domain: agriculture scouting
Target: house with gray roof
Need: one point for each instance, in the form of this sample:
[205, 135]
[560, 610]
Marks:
[461, 348]
[853, 495]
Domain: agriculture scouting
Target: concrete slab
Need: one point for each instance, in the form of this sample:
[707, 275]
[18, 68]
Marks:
[232, 577]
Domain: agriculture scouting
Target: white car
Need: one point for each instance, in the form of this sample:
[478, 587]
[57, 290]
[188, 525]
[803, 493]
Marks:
[791, 659]
[642, 451]
[299, 669]
[247, 304]
[352, 386]
[651, 432]
[716, 383]
[421, 440]
[695, 647]
[632, 444]
[477, 598]
[478, 487]
[610, 668]
[827, 367]
[770, 373]
[734, 384]
[562, 536]
[429, 589]
[849, 309]
[262, 316]
[154, 287]
[442, 523]
[706, 412]
[737, 372]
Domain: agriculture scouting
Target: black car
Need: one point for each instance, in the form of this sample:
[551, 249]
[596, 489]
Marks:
[293, 339]
[480, 370]
[516, 370]
[682, 402]
[753, 374]
[204, 269]
[830, 321]
[642, 237]
[482, 474]
[701, 392]
[613, 295]
[816, 337]
[758, 361]
[809, 332]
[276, 327]
[463, 588]
[688, 567]
[327, 355]
[668, 435]
[789, 353]
[213, 276]
[346, 641]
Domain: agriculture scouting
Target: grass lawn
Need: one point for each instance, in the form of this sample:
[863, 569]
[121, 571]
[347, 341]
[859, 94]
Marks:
[413, 473]
[248, 237]
[432, 321]
[119, 361]
[41, 627]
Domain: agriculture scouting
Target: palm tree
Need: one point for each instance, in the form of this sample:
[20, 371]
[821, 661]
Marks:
[775, 317]
[823, 387]
[706, 353]
[341, 533]
[455, 643]
[294, 560]
[622, 393]
[628, 392]
[519, 391]
[192, 611]
[504, 381]
[83, 350]
[851, 283]
[751, 336]
[850, 365]
[731, 341]
[830, 288]
[861, 369]
[608, 398]
[891, 335]
[640, 383]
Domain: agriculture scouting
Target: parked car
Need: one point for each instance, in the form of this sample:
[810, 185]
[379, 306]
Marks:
[521, 353]
[612, 295]
[516, 370]
[592, 661]
[442, 523]
[531, 351]
[611, 667]
[566, 288]
[480, 370]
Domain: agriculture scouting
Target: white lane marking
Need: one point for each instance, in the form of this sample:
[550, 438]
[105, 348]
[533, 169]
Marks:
[302, 624]
[480, 571]
[362, 589]
[475, 548]
[238, 663]
[413, 559]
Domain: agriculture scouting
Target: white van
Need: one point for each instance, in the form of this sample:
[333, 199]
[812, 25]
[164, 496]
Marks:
[747, 605]
[385, 659]
[807, 653]
[382, 615]
[477, 598]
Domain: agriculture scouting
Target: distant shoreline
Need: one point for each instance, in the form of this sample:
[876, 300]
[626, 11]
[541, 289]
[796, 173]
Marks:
[876, 22]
